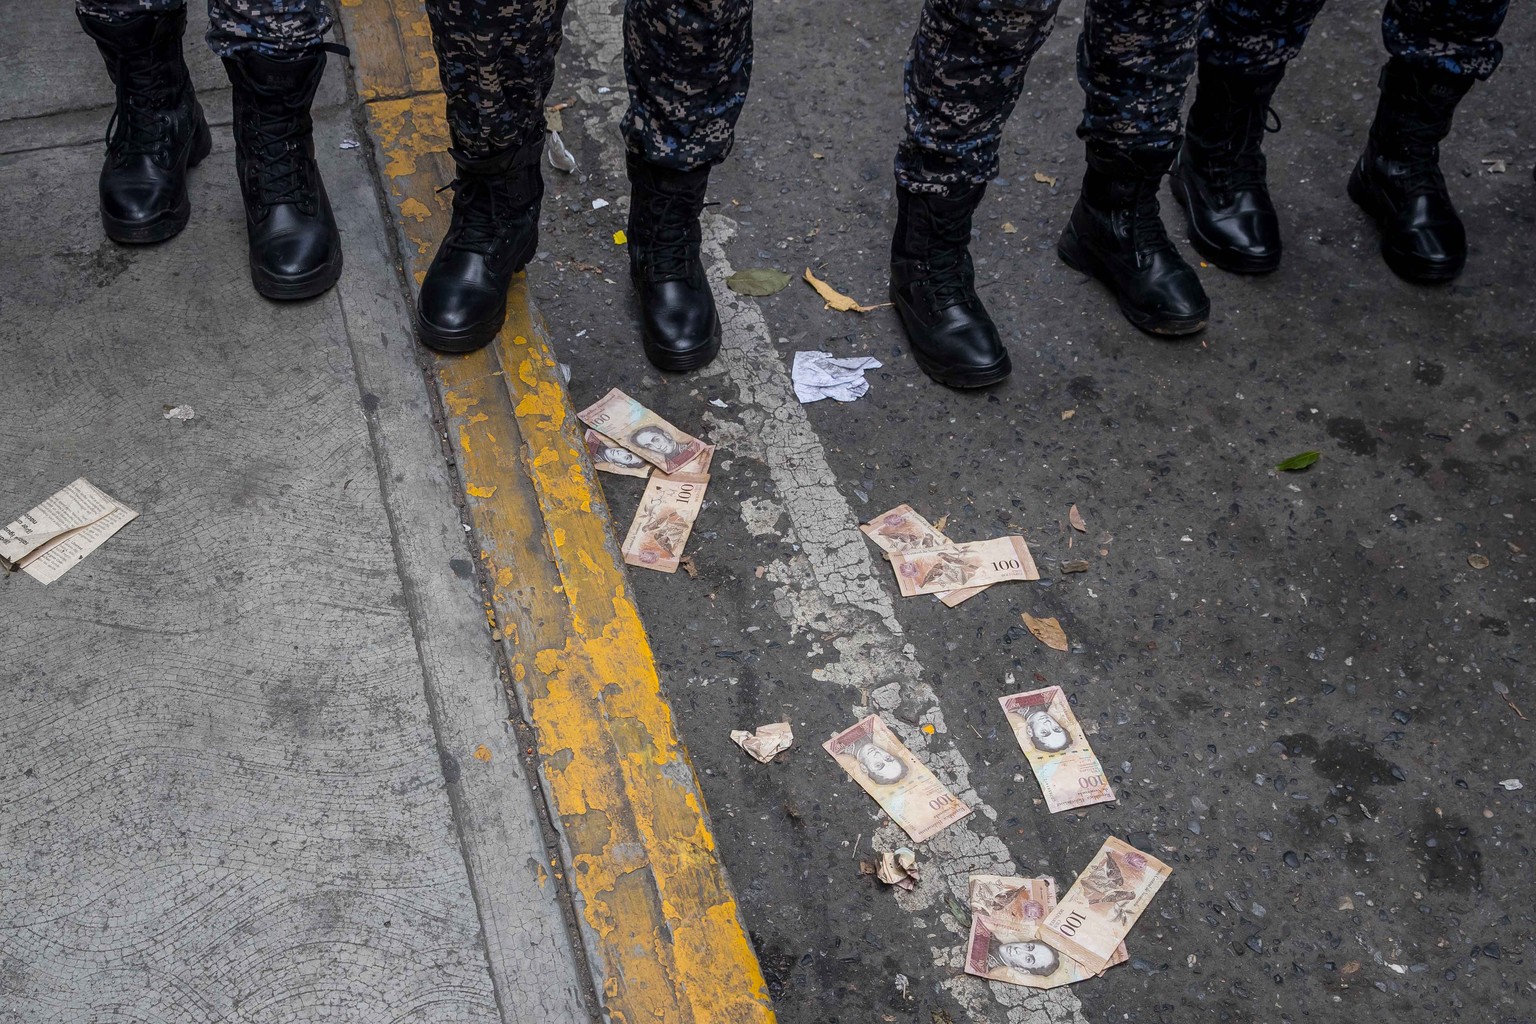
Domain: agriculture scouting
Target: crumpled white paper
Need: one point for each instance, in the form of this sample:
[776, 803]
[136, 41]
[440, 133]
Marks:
[819, 375]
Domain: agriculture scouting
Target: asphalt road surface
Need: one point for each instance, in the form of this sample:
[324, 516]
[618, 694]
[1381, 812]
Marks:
[1294, 680]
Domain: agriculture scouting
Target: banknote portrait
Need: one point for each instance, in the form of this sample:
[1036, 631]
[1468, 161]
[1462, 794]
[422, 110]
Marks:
[613, 454]
[879, 765]
[1045, 731]
[654, 439]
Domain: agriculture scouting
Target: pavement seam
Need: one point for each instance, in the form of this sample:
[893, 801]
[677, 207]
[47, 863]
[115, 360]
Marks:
[521, 729]
[663, 933]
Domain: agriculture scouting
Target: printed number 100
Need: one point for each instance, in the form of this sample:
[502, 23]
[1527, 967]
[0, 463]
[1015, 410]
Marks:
[1006, 564]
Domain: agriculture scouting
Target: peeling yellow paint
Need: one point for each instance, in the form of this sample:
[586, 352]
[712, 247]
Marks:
[415, 209]
[652, 891]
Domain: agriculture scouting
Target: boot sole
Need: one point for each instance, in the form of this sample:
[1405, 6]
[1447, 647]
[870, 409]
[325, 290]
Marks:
[173, 221]
[295, 289]
[1404, 265]
[1074, 255]
[967, 379]
[1214, 254]
[463, 340]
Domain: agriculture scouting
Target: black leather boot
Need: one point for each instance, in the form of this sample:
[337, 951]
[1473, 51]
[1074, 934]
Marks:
[493, 235]
[1219, 175]
[1398, 181]
[1116, 235]
[295, 247]
[157, 129]
[933, 287]
[679, 327]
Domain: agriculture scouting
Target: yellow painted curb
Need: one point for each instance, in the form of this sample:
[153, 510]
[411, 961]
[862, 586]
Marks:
[658, 918]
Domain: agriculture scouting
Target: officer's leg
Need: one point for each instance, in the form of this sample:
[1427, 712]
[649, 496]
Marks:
[157, 129]
[1439, 48]
[274, 53]
[688, 63]
[496, 59]
[964, 73]
[1134, 59]
[1219, 176]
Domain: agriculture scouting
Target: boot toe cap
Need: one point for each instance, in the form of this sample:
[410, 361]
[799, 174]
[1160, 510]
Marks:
[679, 324]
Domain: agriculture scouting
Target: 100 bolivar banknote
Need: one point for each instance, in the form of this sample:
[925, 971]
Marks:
[880, 763]
[977, 564]
[1005, 943]
[1049, 734]
[903, 529]
[662, 523]
[641, 431]
[1093, 918]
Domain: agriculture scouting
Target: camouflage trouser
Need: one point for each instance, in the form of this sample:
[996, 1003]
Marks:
[270, 27]
[965, 72]
[687, 63]
[1456, 36]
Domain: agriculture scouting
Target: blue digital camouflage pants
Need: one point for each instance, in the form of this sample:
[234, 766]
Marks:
[687, 63]
[271, 27]
[1459, 37]
[965, 70]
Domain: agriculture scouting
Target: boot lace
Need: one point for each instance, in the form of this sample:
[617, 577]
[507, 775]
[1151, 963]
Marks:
[1236, 162]
[669, 245]
[951, 277]
[1416, 153]
[141, 121]
[1148, 234]
[280, 173]
[478, 207]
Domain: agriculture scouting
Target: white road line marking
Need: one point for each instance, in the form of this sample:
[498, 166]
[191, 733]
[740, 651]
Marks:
[833, 588]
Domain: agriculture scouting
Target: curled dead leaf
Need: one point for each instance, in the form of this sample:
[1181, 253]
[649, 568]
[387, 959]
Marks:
[689, 566]
[1045, 179]
[1047, 631]
[1076, 519]
[834, 298]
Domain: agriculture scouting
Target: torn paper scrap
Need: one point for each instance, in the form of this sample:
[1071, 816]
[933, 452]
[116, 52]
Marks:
[48, 541]
[558, 155]
[767, 741]
[819, 375]
[899, 868]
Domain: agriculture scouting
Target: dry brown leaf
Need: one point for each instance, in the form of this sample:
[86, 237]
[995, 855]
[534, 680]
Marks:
[1478, 561]
[689, 566]
[1067, 414]
[1076, 519]
[834, 298]
[1045, 179]
[1047, 631]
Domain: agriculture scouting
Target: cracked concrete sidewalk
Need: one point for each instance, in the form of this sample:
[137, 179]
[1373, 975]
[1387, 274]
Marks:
[258, 764]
